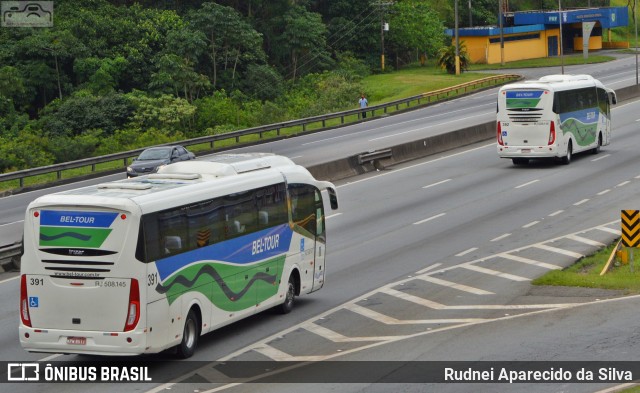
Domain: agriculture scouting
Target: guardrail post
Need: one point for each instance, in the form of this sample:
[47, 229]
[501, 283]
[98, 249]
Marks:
[323, 123]
[341, 119]
[278, 131]
[211, 144]
[21, 182]
[93, 167]
[304, 127]
[59, 174]
[238, 139]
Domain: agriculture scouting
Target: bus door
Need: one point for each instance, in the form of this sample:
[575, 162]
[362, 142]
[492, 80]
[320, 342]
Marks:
[306, 208]
[321, 241]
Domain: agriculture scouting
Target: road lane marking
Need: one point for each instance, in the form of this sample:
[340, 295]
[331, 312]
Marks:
[501, 237]
[585, 240]
[429, 219]
[610, 230]
[279, 355]
[624, 183]
[339, 338]
[529, 225]
[527, 184]
[559, 251]
[604, 191]
[556, 213]
[581, 202]
[438, 183]
[496, 273]
[11, 223]
[600, 158]
[426, 269]
[460, 287]
[529, 261]
[387, 320]
[463, 253]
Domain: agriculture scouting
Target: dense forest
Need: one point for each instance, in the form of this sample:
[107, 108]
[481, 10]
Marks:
[116, 75]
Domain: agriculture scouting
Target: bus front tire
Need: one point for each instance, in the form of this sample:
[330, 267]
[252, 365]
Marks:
[190, 335]
[287, 306]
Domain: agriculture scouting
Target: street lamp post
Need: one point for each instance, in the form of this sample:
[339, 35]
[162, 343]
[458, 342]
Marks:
[635, 19]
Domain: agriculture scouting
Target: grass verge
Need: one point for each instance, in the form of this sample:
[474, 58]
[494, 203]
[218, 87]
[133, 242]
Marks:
[586, 273]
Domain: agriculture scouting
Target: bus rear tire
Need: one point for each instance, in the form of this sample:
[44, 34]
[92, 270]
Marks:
[287, 306]
[598, 147]
[190, 334]
[566, 160]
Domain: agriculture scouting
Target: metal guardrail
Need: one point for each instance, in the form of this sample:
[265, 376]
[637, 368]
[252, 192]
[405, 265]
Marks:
[10, 256]
[418, 100]
[373, 156]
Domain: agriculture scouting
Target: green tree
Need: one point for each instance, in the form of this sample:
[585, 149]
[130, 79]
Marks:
[416, 28]
[302, 42]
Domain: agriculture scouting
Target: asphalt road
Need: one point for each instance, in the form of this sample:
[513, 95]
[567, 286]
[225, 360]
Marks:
[463, 217]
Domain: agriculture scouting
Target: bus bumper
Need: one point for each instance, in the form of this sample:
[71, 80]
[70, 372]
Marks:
[528, 151]
[82, 342]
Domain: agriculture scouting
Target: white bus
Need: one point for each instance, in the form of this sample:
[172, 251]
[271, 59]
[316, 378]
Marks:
[146, 264]
[555, 116]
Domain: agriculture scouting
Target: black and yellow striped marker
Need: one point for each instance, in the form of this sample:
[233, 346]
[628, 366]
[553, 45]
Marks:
[630, 220]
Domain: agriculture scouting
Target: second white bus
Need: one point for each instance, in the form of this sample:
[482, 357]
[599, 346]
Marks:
[145, 264]
[555, 116]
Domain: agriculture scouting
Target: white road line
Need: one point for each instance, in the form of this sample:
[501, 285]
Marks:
[413, 299]
[559, 251]
[438, 183]
[333, 215]
[501, 237]
[529, 261]
[610, 230]
[618, 388]
[527, 184]
[428, 268]
[339, 338]
[48, 358]
[11, 223]
[387, 320]
[429, 219]
[279, 355]
[581, 202]
[463, 253]
[624, 183]
[460, 287]
[585, 240]
[9, 279]
[600, 158]
[556, 213]
[496, 273]
[604, 191]
[529, 225]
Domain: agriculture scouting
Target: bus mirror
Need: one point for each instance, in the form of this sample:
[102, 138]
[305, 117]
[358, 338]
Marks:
[333, 198]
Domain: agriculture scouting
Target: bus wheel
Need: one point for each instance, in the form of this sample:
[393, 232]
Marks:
[520, 161]
[596, 149]
[287, 306]
[189, 336]
[566, 160]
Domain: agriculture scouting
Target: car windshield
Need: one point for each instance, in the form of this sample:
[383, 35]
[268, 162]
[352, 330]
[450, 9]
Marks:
[155, 154]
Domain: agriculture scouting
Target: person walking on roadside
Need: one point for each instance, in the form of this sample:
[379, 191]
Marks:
[363, 104]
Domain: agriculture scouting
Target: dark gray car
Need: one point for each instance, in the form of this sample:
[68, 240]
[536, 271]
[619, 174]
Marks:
[154, 157]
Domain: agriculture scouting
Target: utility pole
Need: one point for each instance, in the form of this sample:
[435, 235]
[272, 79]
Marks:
[383, 26]
[457, 38]
[560, 24]
[470, 16]
[500, 13]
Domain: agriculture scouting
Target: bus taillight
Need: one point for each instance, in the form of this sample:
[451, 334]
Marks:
[552, 133]
[499, 128]
[24, 302]
[133, 314]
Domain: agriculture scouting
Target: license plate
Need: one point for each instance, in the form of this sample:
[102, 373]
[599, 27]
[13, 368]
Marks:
[77, 340]
[525, 150]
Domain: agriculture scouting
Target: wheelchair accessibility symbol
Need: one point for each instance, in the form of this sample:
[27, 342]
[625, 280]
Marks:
[33, 301]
